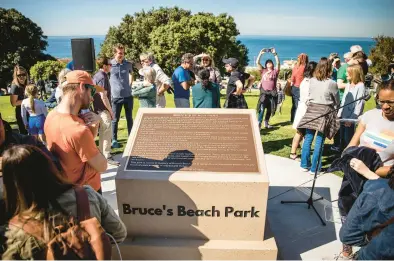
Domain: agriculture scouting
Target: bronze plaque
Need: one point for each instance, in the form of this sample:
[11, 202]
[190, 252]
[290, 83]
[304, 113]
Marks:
[194, 142]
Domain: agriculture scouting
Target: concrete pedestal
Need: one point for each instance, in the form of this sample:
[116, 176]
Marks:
[199, 194]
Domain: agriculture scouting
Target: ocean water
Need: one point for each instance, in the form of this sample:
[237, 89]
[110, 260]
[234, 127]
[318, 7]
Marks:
[287, 47]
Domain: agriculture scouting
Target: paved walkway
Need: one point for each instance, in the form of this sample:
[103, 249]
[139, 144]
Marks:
[298, 231]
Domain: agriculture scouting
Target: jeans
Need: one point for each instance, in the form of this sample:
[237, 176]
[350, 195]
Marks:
[295, 99]
[367, 222]
[337, 139]
[346, 134]
[306, 150]
[117, 104]
[265, 104]
[182, 103]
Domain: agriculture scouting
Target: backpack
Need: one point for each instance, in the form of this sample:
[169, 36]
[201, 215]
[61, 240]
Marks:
[81, 240]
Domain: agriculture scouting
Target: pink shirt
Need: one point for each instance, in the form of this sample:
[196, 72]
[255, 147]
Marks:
[297, 75]
[268, 79]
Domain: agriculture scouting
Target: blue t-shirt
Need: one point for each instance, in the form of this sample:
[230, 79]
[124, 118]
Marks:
[120, 83]
[180, 75]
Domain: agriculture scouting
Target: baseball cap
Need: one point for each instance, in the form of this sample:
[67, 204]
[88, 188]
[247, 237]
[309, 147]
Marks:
[231, 61]
[79, 76]
[355, 48]
[348, 55]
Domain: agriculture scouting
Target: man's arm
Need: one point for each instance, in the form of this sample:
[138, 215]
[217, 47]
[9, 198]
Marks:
[105, 100]
[92, 121]
[185, 79]
[185, 85]
[87, 150]
[98, 162]
[239, 89]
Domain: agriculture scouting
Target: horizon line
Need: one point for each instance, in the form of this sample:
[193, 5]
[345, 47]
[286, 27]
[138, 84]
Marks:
[243, 35]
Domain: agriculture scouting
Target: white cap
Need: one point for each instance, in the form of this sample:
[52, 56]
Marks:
[355, 48]
[348, 55]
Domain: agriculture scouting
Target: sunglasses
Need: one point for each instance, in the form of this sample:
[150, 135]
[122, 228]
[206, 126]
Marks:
[206, 59]
[387, 77]
[92, 89]
[21, 75]
[389, 103]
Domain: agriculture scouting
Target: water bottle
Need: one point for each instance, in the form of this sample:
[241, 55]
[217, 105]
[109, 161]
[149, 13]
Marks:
[84, 111]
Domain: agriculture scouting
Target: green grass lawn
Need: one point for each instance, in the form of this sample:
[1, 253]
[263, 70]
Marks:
[276, 141]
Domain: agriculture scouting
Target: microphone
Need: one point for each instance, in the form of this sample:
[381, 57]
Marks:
[366, 97]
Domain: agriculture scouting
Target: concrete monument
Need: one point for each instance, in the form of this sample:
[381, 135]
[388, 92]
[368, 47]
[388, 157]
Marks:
[193, 185]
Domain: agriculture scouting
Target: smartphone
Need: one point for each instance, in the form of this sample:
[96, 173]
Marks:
[267, 50]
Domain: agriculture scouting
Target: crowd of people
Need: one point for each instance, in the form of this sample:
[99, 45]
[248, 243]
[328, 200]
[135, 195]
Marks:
[42, 171]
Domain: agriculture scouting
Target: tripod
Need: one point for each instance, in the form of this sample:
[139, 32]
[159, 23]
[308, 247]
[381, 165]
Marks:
[310, 200]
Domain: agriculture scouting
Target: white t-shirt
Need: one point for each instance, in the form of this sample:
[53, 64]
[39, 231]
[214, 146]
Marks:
[378, 135]
[39, 107]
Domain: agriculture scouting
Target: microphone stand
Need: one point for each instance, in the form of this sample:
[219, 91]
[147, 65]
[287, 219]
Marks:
[310, 200]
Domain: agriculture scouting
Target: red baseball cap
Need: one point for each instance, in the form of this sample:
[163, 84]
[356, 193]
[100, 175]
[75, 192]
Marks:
[79, 76]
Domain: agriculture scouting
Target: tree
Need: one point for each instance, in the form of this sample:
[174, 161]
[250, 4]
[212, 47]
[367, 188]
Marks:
[42, 70]
[21, 42]
[382, 54]
[171, 32]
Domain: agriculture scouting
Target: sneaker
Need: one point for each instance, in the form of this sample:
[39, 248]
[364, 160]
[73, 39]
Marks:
[304, 169]
[115, 144]
[347, 251]
[111, 161]
[313, 173]
[267, 126]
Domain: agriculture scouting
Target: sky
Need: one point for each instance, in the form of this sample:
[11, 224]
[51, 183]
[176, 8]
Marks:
[330, 18]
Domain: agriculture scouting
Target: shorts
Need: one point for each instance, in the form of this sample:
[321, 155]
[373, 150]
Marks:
[36, 124]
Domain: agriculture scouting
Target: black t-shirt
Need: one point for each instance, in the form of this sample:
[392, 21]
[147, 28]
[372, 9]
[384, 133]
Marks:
[101, 78]
[234, 77]
[18, 90]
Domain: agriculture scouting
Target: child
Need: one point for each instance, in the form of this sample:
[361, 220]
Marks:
[354, 90]
[281, 97]
[146, 91]
[37, 111]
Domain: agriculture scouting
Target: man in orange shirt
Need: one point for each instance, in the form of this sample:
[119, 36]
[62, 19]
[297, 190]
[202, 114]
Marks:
[70, 135]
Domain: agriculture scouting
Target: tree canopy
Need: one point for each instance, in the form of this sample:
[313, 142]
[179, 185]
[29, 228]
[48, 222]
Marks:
[382, 54]
[42, 70]
[171, 32]
[22, 42]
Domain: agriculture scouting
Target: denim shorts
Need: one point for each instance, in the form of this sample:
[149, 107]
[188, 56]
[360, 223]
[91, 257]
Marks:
[36, 124]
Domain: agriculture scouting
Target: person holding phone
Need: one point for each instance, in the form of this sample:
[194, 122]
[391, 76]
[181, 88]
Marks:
[268, 92]
[70, 134]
